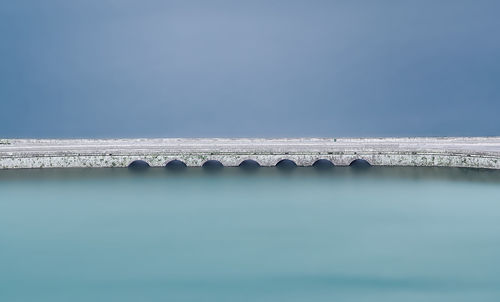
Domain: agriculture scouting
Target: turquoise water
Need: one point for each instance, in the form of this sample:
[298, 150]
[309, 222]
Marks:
[384, 234]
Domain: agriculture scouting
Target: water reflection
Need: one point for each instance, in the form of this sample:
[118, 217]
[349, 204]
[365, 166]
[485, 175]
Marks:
[338, 172]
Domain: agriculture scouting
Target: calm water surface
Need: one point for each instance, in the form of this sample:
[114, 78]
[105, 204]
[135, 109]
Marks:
[385, 234]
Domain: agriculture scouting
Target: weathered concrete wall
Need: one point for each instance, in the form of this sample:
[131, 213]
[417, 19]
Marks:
[472, 152]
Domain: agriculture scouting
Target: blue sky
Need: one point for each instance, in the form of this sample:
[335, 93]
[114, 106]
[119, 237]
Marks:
[249, 68]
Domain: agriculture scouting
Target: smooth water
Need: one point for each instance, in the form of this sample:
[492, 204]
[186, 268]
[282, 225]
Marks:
[383, 234]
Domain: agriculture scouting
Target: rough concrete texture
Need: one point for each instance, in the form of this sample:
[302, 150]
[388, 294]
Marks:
[471, 152]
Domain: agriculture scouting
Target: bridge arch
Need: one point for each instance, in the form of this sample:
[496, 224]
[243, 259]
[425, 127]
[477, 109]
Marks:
[138, 165]
[249, 164]
[175, 165]
[323, 164]
[360, 163]
[212, 165]
[286, 164]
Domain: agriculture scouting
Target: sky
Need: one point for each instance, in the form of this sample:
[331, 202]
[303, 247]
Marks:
[273, 68]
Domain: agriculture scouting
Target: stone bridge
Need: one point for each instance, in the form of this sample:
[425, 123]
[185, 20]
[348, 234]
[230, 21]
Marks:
[469, 152]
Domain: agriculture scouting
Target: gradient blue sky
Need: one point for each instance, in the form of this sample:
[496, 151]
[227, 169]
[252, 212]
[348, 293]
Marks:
[101, 68]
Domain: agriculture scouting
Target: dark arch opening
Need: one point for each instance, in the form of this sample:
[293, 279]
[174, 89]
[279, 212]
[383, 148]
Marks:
[175, 165]
[323, 164]
[286, 164]
[138, 165]
[249, 164]
[212, 165]
[360, 163]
